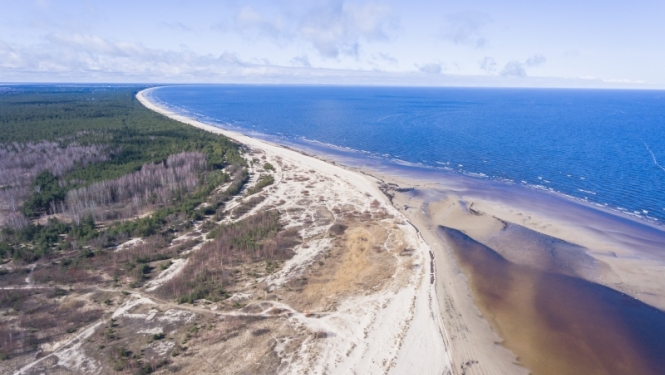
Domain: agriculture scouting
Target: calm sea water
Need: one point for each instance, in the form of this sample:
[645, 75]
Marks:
[604, 146]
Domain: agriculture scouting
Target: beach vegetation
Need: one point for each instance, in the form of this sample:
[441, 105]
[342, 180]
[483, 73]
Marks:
[265, 180]
[209, 272]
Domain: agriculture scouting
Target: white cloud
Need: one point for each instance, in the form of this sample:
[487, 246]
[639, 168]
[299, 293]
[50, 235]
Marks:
[513, 69]
[332, 27]
[371, 21]
[431, 68]
[43, 3]
[517, 69]
[488, 64]
[466, 28]
[535, 60]
[385, 57]
[248, 19]
[628, 81]
[80, 57]
[83, 54]
[302, 60]
[338, 27]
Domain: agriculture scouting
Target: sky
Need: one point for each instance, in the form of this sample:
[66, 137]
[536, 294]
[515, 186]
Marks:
[537, 43]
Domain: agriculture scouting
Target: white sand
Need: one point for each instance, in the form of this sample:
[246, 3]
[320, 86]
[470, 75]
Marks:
[166, 275]
[398, 329]
[70, 355]
[620, 260]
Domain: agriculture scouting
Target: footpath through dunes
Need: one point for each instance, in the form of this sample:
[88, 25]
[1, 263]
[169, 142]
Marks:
[356, 295]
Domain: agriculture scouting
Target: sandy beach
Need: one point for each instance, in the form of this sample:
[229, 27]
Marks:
[394, 327]
[433, 315]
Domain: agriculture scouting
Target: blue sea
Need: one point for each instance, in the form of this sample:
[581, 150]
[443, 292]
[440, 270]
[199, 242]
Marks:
[606, 147]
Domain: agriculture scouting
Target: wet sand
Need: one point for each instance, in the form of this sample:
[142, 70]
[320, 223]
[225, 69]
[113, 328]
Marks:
[523, 285]
[558, 324]
[522, 291]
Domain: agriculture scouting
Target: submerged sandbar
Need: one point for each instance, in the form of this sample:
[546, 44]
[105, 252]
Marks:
[559, 324]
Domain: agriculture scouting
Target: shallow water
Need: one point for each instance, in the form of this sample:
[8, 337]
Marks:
[601, 145]
[558, 324]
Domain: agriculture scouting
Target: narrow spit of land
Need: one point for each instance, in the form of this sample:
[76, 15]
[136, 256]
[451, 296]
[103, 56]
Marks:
[185, 251]
[478, 341]
[376, 308]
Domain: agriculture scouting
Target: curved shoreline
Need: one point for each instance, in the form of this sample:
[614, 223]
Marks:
[481, 346]
[404, 155]
[426, 332]
[470, 337]
[608, 234]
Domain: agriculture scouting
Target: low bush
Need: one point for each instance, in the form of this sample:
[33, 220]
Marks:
[264, 181]
[209, 270]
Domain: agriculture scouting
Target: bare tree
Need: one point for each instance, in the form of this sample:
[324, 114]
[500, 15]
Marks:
[20, 163]
[153, 184]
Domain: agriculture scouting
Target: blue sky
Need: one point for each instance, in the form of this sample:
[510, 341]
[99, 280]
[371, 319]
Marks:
[469, 43]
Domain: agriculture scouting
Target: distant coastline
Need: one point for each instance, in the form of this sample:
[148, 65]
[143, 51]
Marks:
[592, 152]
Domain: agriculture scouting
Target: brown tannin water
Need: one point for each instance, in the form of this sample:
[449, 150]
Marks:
[558, 324]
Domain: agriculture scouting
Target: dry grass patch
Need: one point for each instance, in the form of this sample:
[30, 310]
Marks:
[358, 263]
[239, 345]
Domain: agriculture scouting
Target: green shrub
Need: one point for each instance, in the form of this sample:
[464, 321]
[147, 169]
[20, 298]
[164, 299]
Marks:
[45, 189]
[264, 181]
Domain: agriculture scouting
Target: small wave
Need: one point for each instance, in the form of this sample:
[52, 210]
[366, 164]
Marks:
[472, 174]
[404, 162]
[653, 156]
[587, 191]
[329, 145]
